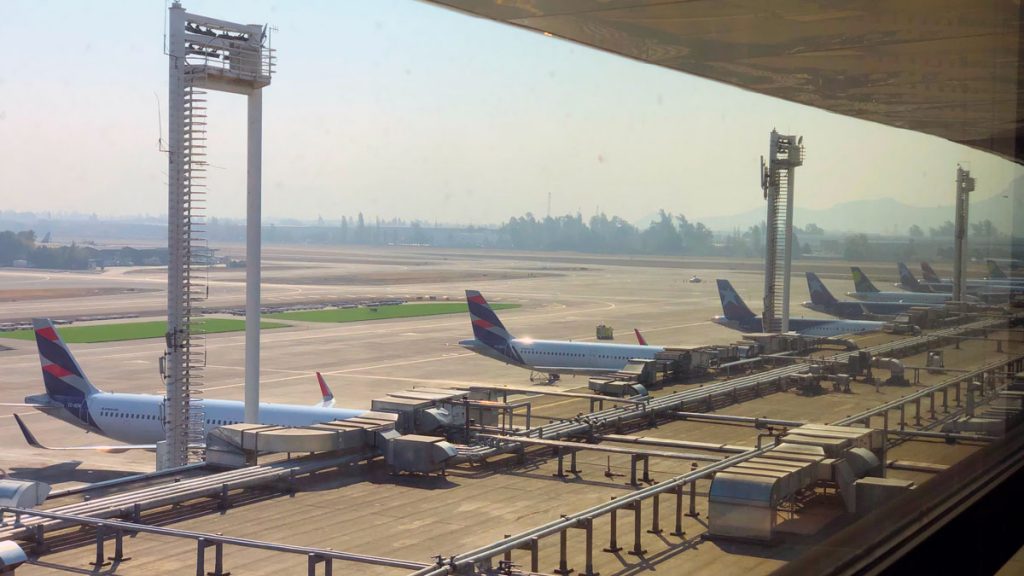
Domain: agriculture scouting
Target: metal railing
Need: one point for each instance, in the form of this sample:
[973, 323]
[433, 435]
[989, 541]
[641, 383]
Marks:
[118, 528]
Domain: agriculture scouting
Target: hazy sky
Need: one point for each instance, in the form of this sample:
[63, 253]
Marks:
[398, 108]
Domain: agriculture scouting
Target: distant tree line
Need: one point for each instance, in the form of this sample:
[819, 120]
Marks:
[21, 248]
[15, 246]
[668, 234]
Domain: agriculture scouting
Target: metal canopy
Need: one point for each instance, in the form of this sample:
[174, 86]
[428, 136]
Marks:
[950, 68]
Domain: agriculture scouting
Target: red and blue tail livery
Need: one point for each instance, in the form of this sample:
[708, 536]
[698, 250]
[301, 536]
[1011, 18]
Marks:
[137, 420]
[488, 329]
[66, 385]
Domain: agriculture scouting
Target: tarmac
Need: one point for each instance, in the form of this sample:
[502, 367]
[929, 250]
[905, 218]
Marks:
[361, 508]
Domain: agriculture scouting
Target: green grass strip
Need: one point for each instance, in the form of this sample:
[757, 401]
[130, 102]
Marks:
[134, 330]
[380, 313]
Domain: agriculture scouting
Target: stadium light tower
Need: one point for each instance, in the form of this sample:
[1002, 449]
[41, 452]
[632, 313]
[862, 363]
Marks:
[206, 54]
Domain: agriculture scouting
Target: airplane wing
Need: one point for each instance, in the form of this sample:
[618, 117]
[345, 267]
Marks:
[113, 449]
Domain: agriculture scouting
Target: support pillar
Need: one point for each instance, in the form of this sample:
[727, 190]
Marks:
[885, 443]
[118, 548]
[588, 527]
[218, 559]
[101, 559]
[693, 500]
[561, 461]
[253, 256]
[655, 516]
[679, 512]
[638, 549]
[313, 560]
[613, 533]
[563, 563]
[535, 554]
[572, 463]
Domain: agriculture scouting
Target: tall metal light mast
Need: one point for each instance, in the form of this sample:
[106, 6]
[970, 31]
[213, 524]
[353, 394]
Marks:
[964, 186]
[205, 54]
[785, 153]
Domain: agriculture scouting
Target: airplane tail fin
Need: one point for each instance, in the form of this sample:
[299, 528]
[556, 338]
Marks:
[62, 376]
[733, 307]
[907, 279]
[487, 328]
[819, 293]
[928, 273]
[325, 392]
[861, 282]
[640, 337]
[994, 271]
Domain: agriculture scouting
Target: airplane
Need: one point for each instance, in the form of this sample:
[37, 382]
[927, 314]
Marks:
[738, 316]
[138, 419]
[985, 289]
[996, 277]
[823, 301]
[551, 357]
[1013, 264]
[866, 291]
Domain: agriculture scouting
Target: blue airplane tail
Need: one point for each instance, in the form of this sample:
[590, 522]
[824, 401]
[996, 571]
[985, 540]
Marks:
[733, 307]
[63, 378]
[907, 279]
[819, 293]
[928, 273]
[861, 282]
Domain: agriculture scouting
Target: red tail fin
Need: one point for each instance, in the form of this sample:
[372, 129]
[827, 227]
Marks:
[640, 337]
[324, 390]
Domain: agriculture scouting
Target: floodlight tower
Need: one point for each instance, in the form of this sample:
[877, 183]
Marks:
[785, 153]
[964, 186]
[206, 54]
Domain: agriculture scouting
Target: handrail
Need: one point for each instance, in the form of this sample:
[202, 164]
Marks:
[215, 538]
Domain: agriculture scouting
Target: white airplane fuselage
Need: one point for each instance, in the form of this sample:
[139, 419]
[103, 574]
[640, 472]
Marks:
[139, 418]
[562, 357]
[923, 298]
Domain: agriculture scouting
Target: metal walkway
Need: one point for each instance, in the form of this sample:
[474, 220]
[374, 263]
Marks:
[133, 504]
